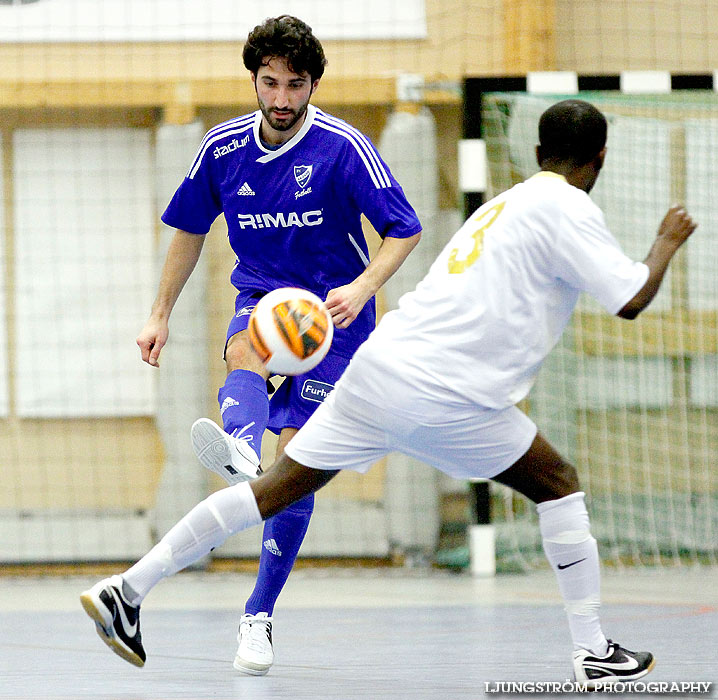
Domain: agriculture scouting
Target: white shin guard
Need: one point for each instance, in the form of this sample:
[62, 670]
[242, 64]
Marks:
[205, 527]
[573, 555]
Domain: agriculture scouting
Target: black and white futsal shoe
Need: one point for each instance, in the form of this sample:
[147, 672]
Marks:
[230, 457]
[116, 620]
[618, 664]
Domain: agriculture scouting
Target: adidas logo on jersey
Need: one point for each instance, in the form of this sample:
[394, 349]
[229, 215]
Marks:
[233, 145]
[271, 546]
[228, 403]
[245, 189]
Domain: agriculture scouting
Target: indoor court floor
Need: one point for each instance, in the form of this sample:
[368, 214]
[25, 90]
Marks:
[351, 633]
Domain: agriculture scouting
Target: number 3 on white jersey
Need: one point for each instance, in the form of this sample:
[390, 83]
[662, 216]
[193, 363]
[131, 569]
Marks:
[485, 219]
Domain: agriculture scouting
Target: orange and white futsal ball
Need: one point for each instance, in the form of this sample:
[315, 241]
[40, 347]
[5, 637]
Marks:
[291, 330]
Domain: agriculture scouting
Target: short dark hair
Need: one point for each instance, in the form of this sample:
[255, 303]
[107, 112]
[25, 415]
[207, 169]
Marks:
[572, 130]
[285, 37]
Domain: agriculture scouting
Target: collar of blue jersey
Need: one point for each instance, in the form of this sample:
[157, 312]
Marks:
[271, 155]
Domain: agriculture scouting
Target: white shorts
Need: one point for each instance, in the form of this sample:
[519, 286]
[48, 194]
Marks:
[352, 432]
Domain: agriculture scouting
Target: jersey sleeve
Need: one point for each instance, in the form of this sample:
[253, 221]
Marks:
[589, 258]
[375, 191]
[196, 203]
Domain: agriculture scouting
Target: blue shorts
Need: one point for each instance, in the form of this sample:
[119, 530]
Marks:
[297, 397]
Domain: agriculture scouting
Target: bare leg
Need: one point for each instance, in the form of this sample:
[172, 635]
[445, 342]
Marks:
[285, 483]
[239, 355]
[284, 437]
[541, 474]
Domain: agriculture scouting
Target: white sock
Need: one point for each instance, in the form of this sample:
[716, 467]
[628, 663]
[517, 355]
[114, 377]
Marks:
[206, 526]
[573, 555]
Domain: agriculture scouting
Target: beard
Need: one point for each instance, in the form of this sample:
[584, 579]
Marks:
[282, 124]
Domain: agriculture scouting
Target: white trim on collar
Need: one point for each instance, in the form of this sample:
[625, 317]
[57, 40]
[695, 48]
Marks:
[271, 155]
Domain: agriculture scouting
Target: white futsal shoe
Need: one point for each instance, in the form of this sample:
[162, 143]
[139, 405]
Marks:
[255, 654]
[232, 458]
[618, 664]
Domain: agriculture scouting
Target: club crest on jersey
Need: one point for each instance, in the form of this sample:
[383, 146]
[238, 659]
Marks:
[302, 173]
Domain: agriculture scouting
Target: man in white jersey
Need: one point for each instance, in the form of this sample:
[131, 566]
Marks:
[440, 377]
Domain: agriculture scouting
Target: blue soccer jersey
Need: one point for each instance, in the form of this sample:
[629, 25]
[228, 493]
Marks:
[293, 214]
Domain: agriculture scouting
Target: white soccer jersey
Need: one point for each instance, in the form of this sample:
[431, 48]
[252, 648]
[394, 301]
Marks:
[499, 296]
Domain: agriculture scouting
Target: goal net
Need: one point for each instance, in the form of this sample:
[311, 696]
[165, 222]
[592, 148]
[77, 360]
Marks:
[633, 404]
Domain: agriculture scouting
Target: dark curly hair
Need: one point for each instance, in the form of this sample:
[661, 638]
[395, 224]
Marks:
[572, 130]
[285, 37]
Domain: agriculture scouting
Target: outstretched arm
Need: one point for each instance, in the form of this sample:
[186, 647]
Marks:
[676, 227]
[181, 259]
[345, 303]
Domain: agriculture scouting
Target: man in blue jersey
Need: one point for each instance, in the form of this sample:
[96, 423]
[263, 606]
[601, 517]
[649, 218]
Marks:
[292, 183]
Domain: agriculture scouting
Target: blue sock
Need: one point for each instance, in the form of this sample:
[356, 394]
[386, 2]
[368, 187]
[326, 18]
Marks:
[283, 536]
[244, 404]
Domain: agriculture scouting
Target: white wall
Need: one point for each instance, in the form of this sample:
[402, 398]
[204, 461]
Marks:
[4, 405]
[84, 253]
[206, 20]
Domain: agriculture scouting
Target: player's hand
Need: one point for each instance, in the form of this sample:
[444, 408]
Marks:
[344, 303]
[677, 225]
[152, 339]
